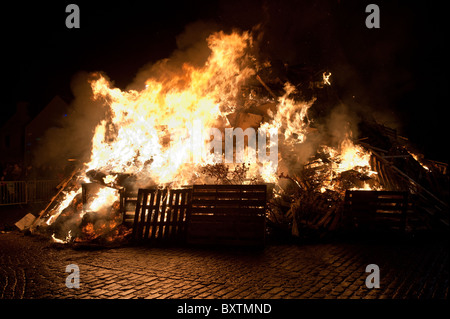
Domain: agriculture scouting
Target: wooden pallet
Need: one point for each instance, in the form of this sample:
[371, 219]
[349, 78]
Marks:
[377, 210]
[227, 214]
[394, 179]
[161, 215]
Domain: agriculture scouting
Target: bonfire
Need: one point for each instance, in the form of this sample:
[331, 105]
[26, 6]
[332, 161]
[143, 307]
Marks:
[149, 139]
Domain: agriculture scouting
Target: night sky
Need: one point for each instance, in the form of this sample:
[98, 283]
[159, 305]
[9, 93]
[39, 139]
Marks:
[398, 69]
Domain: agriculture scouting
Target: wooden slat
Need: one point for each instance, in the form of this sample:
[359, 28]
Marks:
[160, 214]
[155, 214]
[149, 209]
[136, 216]
[184, 212]
[174, 214]
[142, 215]
[261, 188]
[227, 211]
[227, 214]
[372, 208]
[165, 216]
[233, 202]
[224, 218]
[221, 214]
[229, 195]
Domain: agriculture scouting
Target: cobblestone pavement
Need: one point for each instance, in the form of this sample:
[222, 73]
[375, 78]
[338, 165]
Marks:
[32, 267]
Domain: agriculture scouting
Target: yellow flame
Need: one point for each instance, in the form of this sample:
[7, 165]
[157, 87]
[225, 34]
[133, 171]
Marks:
[68, 199]
[62, 241]
[105, 197]
[418, 160]
[352, 156]
[348, 156]
[147, 130]
[149, 133]
[326, 78]
[109, 179]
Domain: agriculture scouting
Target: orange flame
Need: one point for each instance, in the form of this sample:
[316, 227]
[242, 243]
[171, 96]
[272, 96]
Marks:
[148, 133]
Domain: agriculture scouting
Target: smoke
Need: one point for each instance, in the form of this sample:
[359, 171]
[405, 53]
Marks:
[72, 137]
[191, 48]
[339, 124]
[342, 123]
[294, 34]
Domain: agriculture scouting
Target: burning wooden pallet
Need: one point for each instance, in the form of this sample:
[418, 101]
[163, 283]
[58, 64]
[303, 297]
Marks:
[205, 214]
[64, 186]
[423, 200]
[161, 215]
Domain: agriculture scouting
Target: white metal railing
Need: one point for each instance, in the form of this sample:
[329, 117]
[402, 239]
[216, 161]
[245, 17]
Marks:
[24, 192]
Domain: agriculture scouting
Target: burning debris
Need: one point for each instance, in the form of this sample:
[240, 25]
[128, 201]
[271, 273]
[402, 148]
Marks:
[149, 139]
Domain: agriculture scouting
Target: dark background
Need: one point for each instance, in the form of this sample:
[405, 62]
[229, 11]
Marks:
[398, 70]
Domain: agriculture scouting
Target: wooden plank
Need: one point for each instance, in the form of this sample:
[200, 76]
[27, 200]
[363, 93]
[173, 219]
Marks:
[155, 215]
[367, 193]
[160, 214]
[136, 215]
[143, 214]
[198, 189]
[238, 203]
[374, 208]
[374, 205]
[227, 210]
[174, 214]
[224, 218]
[229, 195]
[381, 173]
[62, 186]
[149, 203]
[230, 186]
[166, 212]
[184, 212]
[410, 180]
[325, 217]
[227, 214]
[178, 232]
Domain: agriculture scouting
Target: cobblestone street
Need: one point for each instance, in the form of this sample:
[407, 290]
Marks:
[32, 267]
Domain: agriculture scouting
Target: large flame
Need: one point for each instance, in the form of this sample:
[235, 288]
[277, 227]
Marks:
[147, 131]
[151, 133]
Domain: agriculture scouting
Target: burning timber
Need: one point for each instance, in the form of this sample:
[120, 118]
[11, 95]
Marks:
[321, 156]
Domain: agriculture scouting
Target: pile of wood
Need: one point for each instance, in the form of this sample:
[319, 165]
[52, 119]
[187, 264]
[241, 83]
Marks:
[303, 207]
[402, 168]
[316, 214]
[311, 212]
[306, 210]
[68, 184]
